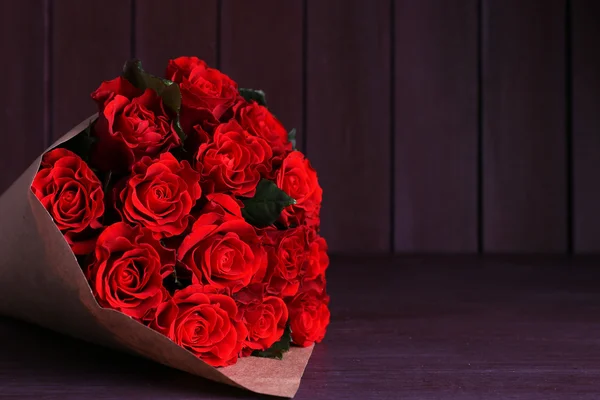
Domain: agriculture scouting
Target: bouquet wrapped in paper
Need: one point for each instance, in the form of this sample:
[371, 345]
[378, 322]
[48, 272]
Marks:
[179, 224]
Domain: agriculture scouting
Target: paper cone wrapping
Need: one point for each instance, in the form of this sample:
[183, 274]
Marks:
[41, 282]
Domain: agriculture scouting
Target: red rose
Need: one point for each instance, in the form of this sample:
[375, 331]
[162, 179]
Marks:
[203, 323]
[73, 196]
[298, 179]
[206, 92]
[128, 270]
[234, 161]
[222, 251]
[309, 316]
[317, 259]
[259, 121]
[160, 195]
[294, 255]
[133, 123]
[285, 260]
[264, 317]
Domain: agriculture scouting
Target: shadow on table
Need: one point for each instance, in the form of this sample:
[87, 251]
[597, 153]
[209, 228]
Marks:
[36, 363]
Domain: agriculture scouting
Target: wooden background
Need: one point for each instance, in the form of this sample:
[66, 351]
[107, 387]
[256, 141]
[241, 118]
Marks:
[436, 126]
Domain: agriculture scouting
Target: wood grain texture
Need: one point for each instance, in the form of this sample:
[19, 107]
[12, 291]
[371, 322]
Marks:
[524, 132]
[436, 106]
[586, 124]
[166, 30]
[423, 328]
[24, 86]
[90, 43]
[348, 120]
[261, 48]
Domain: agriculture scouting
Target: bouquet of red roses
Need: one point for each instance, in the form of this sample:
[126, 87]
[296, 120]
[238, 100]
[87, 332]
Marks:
[185, 208]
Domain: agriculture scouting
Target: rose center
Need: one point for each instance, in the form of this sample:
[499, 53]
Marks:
[68, 196]
[200, 333]
[206, 86]
[226, 260]
[159, 193]
[262, 323]
[293, 184]
[228, 160]
[129, 276]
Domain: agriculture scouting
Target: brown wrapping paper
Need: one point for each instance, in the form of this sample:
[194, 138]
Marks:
[41, 282]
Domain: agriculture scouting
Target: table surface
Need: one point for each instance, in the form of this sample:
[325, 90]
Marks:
[402, 328]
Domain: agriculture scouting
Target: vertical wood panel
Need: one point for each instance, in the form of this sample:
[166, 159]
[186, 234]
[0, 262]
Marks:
[261, 48]
[524, 137]
[91, 42]
[348, 120]
[166, 30]
[22, 101]
[436, 111]
[586, 124]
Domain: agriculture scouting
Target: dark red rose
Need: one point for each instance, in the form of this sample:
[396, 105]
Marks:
[160, 194]
[298, 179]
[128, 270]
[132, 124]
[73, 196]
[259, 121]
[265, 318]
[309, 316]
[207, 93]
[234, 161]
[203, 323]
[222, 251]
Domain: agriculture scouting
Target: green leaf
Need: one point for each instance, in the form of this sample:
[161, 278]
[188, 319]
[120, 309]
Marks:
[167, 90]
[253, 94]
[265, 207]
[292, 138]
[81, 144]
[278, 348]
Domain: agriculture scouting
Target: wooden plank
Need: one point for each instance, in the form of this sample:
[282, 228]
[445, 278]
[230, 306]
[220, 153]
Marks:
[586, 124]
[524, 135]
[348, 120]
[166, 30]
[436, 110]
[22, 41]
[91, 42]
[269, 31]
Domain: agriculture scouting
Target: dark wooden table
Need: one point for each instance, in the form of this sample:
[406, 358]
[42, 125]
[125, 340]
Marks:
[403, 328]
